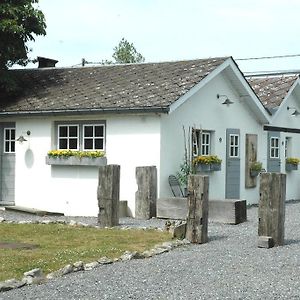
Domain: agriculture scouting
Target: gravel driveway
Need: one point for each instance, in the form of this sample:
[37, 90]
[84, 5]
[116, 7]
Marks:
[229, 266]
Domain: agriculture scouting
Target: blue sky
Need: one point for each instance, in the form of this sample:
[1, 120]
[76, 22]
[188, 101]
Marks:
[167, 30]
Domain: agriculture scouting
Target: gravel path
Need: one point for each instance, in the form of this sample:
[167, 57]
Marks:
[229, 266]
[124, 222]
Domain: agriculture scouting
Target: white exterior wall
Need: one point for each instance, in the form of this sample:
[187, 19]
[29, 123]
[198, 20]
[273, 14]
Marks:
[131, 141]
[283, 118]
[203, 110]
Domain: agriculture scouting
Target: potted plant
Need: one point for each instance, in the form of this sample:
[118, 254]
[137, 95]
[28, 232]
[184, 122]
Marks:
[76, 158]
[182, 175]
[207, 163]
[291, 163]
[255, 168]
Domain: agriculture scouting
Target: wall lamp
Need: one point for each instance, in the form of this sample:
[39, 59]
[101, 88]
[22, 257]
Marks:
[295, 113]
[22, 139]
[227, 101]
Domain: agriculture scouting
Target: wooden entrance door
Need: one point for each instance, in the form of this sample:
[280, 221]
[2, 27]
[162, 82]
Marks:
[273, 162]
[233, 173]
[7, 163]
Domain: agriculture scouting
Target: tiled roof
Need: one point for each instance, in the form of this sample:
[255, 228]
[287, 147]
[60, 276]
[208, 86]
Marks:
[272, 90]
[132, 86]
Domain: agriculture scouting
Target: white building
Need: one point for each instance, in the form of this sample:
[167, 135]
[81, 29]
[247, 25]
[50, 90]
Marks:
[136, 114]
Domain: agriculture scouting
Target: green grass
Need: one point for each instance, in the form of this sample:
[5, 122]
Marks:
[61, 244]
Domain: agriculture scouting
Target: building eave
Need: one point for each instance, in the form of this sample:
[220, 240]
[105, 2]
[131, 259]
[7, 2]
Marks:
[85, 111]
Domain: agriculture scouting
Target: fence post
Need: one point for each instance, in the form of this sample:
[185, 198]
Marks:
[146, 195]
[197, 219]
[108, 195]
[271, 210]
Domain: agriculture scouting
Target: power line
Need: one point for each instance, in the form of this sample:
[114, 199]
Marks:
[269, 57]
[272, 73]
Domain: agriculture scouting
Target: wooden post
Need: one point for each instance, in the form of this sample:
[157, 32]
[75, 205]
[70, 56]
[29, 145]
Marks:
[197, 219]
[271, 210]
[108, 195]
[146, 195]
[250, 157]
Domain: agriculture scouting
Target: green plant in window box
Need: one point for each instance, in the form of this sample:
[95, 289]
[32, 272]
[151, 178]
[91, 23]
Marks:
[291, 163]
[255, 168]
[207, 163]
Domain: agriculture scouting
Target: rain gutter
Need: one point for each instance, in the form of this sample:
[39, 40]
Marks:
[58, 112]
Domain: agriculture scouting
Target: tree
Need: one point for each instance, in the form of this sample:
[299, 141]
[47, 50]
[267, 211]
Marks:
[126, 53]
[19, 22]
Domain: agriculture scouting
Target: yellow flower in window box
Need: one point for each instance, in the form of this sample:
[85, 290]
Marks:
[207, 163]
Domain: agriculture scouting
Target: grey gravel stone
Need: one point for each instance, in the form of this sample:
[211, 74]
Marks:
[61, 272]
[78, 266]
[72, 223]
[34, 273]
[105, 261]
[229, 266]
[127, 255]
[91, 265]
[34, 276]
[11, 284]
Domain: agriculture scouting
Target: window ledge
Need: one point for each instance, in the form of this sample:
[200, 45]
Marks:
[76, 161]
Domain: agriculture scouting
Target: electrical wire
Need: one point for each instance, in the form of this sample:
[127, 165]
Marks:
[269, 57]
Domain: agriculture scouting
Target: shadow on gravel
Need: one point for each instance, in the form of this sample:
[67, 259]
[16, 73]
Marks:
[217, 237]
[291, 242]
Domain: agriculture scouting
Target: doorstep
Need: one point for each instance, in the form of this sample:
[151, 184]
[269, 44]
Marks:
[32, 211]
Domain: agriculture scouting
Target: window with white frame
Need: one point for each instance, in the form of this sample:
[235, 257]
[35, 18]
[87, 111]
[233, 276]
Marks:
[93, 137]
[234, 145]
[288, 147]
[201, 142]
[68, 137]
[81, 136]
[9, 140]
[205, 143]
[274, 147]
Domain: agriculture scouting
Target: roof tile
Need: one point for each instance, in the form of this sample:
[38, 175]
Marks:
[119, 86]
[272, 90]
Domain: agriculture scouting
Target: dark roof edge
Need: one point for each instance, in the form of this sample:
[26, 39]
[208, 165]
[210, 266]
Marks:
[86, 111]
[248, 83]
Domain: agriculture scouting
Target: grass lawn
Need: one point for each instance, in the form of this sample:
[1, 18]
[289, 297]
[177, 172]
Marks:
[60, 244]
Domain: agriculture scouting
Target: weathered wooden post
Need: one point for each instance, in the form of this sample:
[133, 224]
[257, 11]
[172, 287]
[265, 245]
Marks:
[109, 195]
[197, 219]
[271, 210]
[146, 195]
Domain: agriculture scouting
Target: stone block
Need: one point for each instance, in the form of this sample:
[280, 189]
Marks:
[224, 211]
[178, 231]
[123, 206]
[265, 242]
[172, 208]
[229, 211]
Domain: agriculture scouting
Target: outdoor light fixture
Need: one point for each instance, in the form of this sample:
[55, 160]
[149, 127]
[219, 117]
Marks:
[295, 113]
[227, 101]
[22, 139]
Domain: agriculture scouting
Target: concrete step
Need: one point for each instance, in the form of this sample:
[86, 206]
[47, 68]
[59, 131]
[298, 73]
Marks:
[228, 211]
[33, 211]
